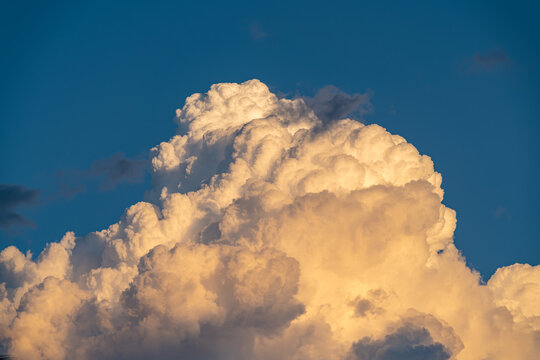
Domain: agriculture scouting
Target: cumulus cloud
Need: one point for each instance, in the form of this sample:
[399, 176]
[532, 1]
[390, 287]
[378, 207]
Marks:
[12, 197]
[273, 230]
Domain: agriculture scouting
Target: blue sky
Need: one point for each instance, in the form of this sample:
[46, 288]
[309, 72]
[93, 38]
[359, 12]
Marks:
[87, 85]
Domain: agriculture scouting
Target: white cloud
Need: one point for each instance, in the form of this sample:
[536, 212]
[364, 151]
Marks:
[270, 234]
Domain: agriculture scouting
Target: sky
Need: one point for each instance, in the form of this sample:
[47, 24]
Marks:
[255, 219]
[87, 83]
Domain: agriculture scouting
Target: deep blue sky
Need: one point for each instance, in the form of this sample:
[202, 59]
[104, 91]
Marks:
[82, 81]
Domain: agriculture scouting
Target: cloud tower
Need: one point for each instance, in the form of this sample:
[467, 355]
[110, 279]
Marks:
[270, 233]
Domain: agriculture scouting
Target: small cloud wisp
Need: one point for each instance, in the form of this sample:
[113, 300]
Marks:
[11, 198]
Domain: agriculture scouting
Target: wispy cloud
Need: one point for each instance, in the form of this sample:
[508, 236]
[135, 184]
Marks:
[118, 168]
[108, 173]
[502, 213]
[11, 198]
[490, 59]
[256, 31]
[494, 59]
[330, 103]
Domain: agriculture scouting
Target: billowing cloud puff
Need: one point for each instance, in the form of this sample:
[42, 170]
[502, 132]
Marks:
[270, 233]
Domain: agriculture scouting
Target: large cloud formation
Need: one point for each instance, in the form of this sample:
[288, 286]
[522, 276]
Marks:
[271, 234]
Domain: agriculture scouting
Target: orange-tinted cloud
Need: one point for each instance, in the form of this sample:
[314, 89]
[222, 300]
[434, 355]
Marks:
[269, 234]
